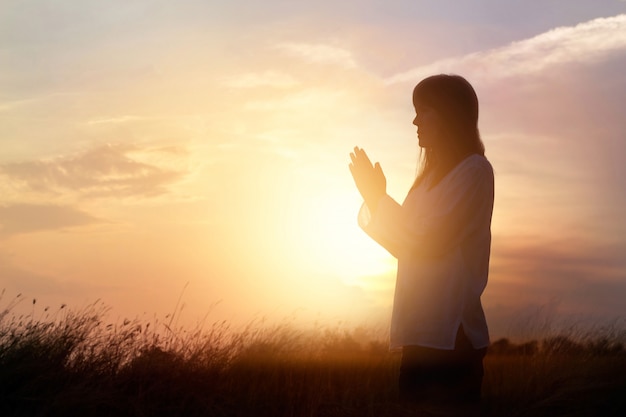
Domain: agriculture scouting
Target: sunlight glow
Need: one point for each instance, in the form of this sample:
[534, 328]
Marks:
[145, 151]
[334, 243]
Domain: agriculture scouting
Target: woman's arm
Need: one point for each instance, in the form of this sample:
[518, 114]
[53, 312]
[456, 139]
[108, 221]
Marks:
[468, 204]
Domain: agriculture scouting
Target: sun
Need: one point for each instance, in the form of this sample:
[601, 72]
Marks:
[332, 242]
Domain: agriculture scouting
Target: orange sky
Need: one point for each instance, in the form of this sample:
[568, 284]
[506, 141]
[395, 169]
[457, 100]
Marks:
[149, 151]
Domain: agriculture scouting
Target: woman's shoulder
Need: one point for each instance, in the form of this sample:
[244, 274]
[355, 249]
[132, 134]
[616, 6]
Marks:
[475, 163]
[473, 170]
[477, 160]
[474, 167]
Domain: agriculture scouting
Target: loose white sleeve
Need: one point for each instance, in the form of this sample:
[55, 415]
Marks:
[465, 204]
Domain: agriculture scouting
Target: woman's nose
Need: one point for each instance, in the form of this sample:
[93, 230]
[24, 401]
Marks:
[415, 121]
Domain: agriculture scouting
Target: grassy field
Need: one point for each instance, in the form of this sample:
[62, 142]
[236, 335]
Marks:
[72, 363]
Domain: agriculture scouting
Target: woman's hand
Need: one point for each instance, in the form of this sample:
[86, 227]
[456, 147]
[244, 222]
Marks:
[369, 179]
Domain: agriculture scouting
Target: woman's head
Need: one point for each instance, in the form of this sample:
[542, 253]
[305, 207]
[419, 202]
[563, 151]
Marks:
[446, 109]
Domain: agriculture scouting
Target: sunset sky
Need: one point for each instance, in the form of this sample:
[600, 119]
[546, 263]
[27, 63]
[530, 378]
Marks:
[153, 148]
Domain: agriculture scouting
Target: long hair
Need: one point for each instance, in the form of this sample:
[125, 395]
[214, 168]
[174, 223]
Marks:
[454, 98]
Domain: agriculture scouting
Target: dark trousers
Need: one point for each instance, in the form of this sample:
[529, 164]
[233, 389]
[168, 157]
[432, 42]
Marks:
[442, 376]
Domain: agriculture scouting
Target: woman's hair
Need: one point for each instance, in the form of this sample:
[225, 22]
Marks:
[455, 100]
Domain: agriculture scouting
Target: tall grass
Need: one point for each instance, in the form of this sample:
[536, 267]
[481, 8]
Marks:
[75, 363]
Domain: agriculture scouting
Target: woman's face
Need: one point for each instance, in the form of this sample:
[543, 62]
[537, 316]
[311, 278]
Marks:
[429, 125]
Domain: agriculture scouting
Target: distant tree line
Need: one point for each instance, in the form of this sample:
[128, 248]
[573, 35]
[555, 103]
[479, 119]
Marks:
[559, 345]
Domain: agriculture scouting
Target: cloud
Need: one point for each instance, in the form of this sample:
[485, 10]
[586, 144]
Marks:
[314, 100]
[261, 79]
[26, 218]
[111, 170]
[319, 53]
[586, 42]
[50, 291]
[115, 120]
[587, 277]
[562, 258]
[11, 105]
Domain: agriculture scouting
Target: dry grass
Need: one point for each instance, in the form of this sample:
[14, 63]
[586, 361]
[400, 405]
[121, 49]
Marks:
[67, 363]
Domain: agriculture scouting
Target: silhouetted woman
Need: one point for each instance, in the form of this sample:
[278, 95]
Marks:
[441, 236]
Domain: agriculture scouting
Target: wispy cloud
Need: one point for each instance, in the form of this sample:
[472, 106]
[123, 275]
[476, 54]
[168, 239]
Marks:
[585, 42]
[10, 105]
[49, 289]
[261, 79]
[319, 53]
[27, 218]
[577, 273]
[107, 171]
[115, 120]
[308, 101]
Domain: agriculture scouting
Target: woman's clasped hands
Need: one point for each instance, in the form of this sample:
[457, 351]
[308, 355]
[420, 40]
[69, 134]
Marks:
[369, 178]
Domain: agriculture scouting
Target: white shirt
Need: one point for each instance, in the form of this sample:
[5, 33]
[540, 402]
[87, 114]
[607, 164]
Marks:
[441, 238]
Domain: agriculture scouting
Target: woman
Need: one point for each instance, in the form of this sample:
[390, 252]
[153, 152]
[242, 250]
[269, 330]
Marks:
[441, 236]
